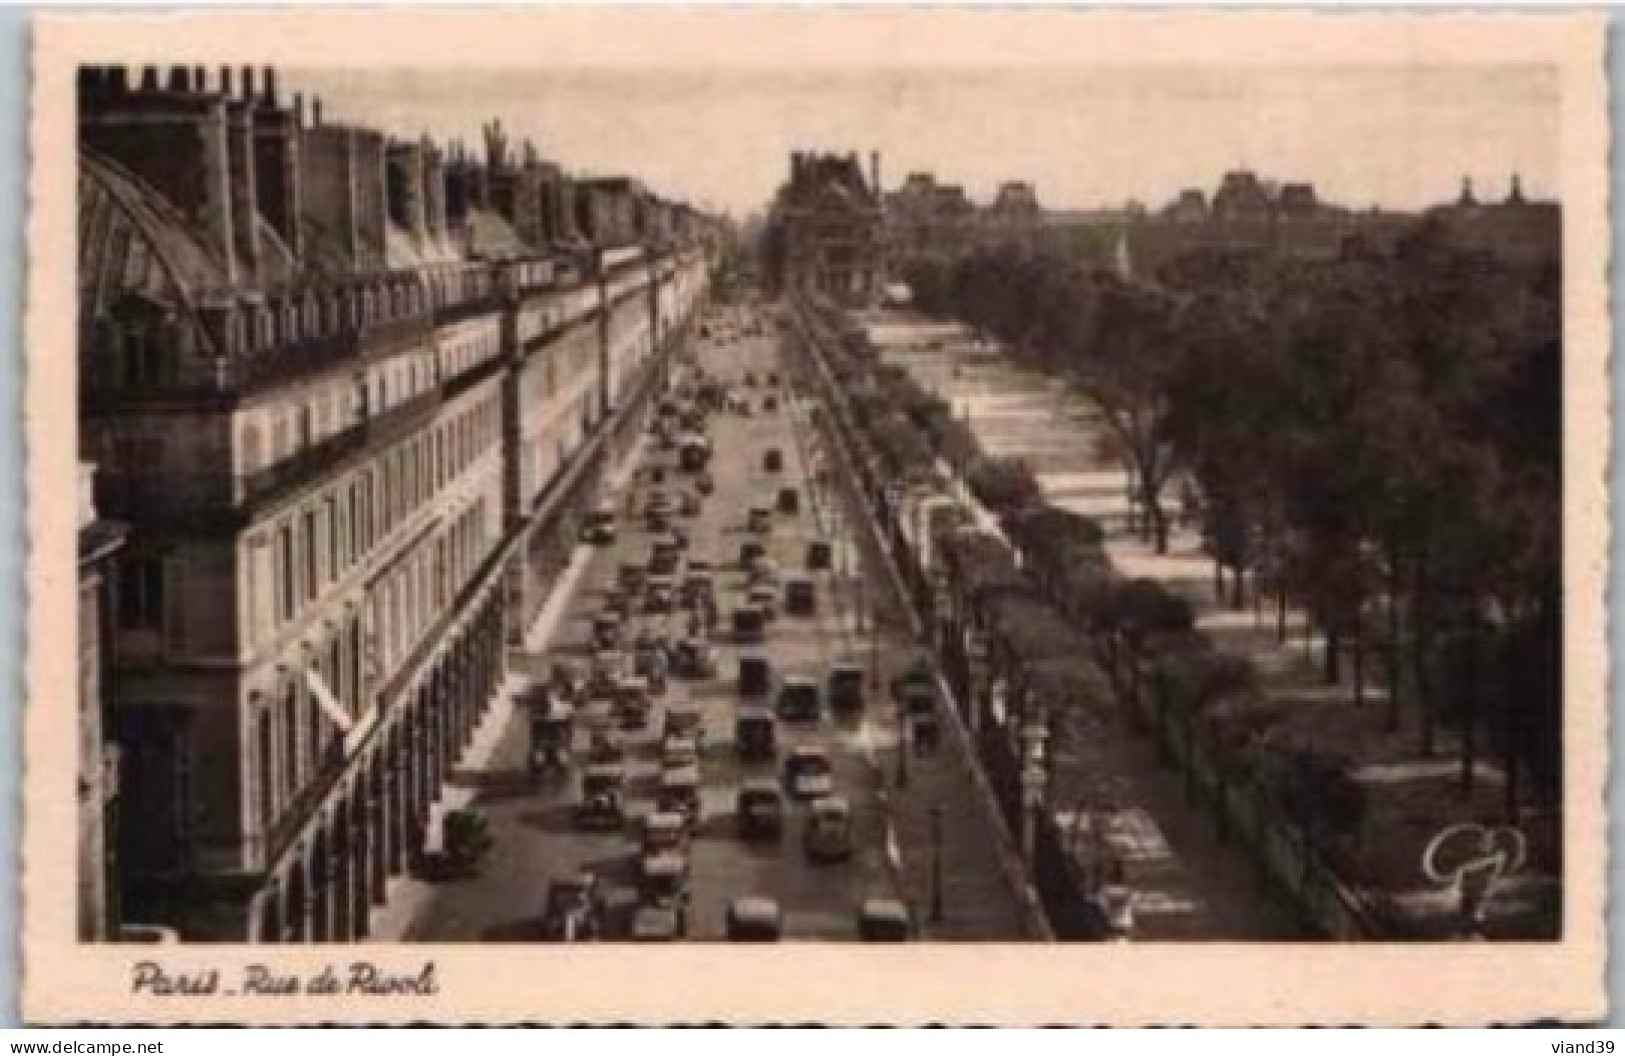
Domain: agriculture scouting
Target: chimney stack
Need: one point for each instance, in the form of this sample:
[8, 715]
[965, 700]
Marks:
[149, 78]
[315, 111]
[270, 86]
[225, 81]
[200, 79]
[874, 171]
[248, 84]
[179, 79]
[299, 109]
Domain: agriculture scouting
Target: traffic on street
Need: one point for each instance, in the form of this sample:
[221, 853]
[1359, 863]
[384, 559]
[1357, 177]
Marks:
[701, 752]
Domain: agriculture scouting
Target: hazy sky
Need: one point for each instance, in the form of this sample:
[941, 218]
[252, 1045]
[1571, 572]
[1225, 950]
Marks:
[1399, 136]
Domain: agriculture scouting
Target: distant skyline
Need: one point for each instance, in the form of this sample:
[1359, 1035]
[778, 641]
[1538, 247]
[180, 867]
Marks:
[1089, 137]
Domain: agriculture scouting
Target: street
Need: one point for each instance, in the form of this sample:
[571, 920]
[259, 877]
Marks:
[535, 835]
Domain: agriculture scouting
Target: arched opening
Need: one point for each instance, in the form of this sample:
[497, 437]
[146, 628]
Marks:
[268, 928]
[296, 917]
[341, 895]
[321, 885]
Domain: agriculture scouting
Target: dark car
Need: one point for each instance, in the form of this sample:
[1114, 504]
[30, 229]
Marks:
[801, 597]
[755, 675]
[800, 699]
[749, 624]
[755, 733]
[759, 808]
[884, 920]
[846, 687]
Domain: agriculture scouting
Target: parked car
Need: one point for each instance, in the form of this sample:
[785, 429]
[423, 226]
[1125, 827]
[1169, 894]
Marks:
[759, 810]
[679, 791]
[765, 598]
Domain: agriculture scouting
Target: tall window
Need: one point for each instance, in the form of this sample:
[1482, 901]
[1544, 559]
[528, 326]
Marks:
[290, 741]
[309, 540]
[265, 746]
[285, 571]
[332, 511]
[353, 505]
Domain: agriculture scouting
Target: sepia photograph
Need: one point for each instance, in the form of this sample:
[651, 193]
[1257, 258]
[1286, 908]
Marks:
[715, 491]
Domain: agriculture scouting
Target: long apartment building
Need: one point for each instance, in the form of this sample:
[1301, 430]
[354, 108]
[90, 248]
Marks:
[347, 393]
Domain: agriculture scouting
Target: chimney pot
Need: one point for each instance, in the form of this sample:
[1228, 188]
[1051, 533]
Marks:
[299, 109]
[179, 79]
[270, 86]
[316, 111]
[248, 84]
[118, 80]
[225, 80]
[200, 78]
[149, 78]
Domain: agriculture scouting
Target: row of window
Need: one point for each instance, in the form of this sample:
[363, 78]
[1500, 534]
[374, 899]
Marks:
[328, 535]
[294, 732]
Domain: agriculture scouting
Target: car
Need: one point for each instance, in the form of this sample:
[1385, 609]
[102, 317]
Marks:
[678, 750]
[801, 597]
[754, 918]
[800, 699]
[630, 575]
[606, 630]
[819, 555]
[574, 908]
[846, 680]
[633, 702]
[755, 675]
[765, 597]
[684, 719]
[664, 831]
[663, 881]
[679, 791]
[759, 518]
[828, 833]
[598, 526]
[695, 658]
[808, 773]
[759, 810]
[689, 505]
[749, 625]
[884, 920]
[656, 924]
[755, 733]
[772, 458]
[602, 803]
[658, 597]
[750, 550]
[788, 501]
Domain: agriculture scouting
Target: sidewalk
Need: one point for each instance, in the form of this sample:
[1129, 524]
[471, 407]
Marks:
[980, 896]
[405, 895]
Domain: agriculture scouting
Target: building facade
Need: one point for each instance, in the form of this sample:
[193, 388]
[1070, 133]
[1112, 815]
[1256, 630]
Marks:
[347, 392]
[830, 222]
